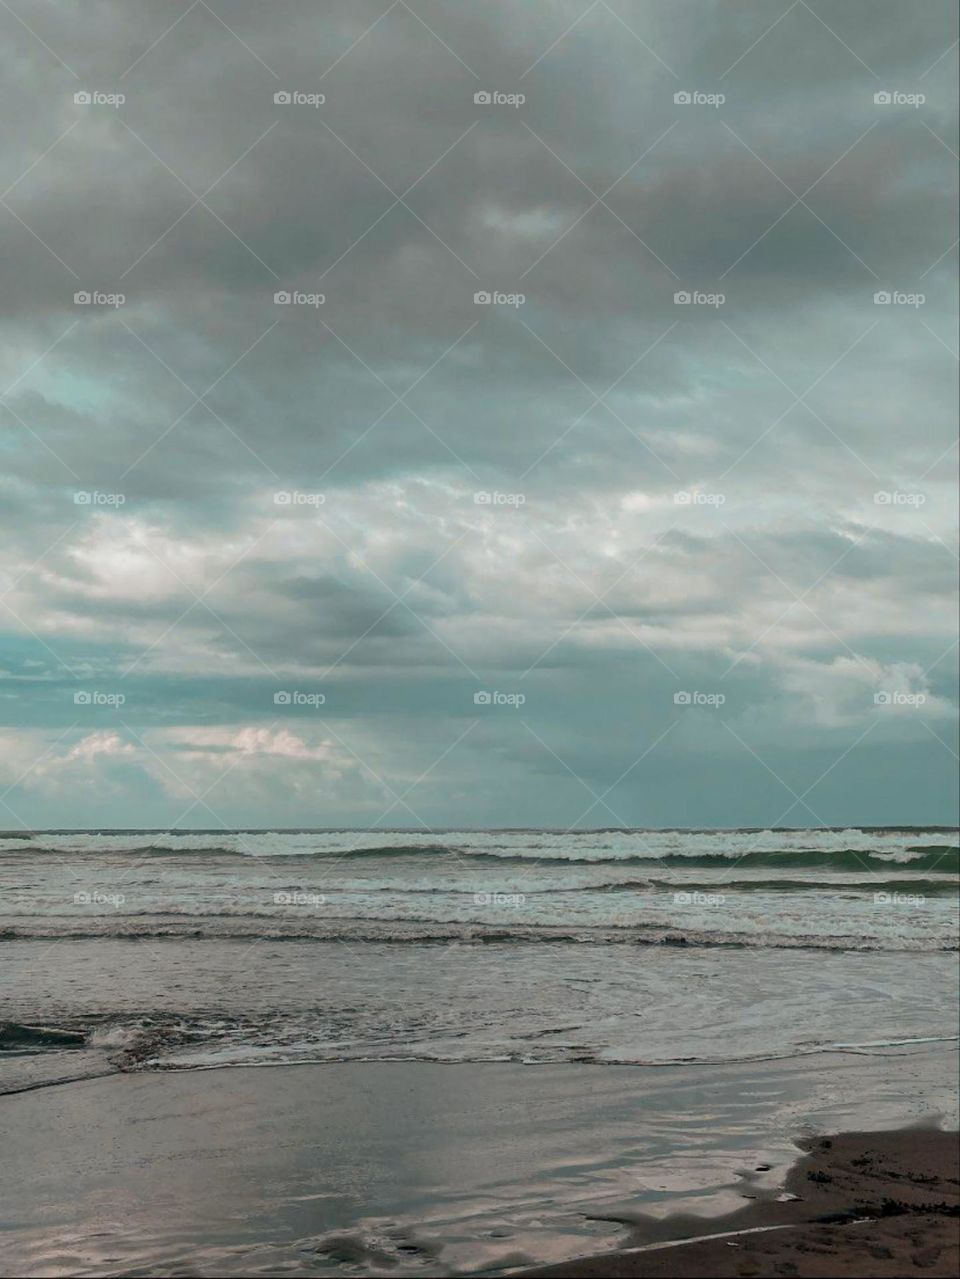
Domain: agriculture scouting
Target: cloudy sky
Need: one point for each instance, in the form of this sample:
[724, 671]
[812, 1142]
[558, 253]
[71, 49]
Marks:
[300, 529]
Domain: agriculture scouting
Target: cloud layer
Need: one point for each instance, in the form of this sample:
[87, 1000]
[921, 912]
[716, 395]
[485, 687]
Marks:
[288, 496]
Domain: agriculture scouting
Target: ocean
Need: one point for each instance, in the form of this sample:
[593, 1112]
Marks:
[133, 951]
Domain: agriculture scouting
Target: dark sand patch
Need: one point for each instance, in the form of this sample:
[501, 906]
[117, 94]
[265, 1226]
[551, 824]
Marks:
[869, 1205]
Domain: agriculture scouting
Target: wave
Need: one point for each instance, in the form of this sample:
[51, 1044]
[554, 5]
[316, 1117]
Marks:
[215, 1055]
[426, 932]
[921, 887]
[17, 1037]
[938, 858]
[941, 859]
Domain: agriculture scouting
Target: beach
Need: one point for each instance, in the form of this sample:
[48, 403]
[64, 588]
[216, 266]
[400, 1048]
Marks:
[478, 644]
[366, 1053]
[436, 1169]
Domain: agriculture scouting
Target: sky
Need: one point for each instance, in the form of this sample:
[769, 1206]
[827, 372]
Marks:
[433, 414]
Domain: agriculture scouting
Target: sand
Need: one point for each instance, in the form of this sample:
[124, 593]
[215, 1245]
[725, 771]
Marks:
[868, 1205]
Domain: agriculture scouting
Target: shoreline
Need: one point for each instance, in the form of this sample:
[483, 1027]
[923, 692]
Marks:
[111, 1066]
[863, 1205]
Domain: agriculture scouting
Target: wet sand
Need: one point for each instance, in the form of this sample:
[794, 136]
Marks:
[419, 1168]
[868, 1205]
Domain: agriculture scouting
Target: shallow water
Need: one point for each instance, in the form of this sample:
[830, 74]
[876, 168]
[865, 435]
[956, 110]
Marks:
[168, 1003]
[373, 1168]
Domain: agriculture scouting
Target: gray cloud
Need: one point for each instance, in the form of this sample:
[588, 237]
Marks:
[597, 498]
